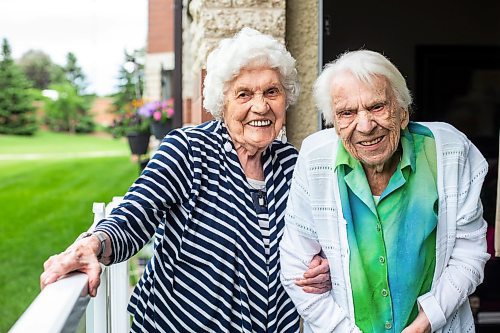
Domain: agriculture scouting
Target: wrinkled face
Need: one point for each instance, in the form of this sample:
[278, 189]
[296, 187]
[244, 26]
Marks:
[254, 108]
[367, 118]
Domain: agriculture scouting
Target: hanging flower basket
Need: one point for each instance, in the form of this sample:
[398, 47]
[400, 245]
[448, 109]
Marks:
[160, 114]
[138, 142]
[160, 129]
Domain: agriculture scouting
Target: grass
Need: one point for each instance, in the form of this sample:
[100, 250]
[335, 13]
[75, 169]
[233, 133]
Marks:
[45, 204]
[48, 142]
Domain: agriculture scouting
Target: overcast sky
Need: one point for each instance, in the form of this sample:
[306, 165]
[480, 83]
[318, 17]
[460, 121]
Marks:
[96, 31]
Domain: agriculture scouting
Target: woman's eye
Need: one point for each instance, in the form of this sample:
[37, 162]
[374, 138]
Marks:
[346, 114]
[243, 95]
[378, 107]
[272, 92]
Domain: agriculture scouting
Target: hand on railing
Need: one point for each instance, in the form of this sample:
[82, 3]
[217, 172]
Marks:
[80, 256]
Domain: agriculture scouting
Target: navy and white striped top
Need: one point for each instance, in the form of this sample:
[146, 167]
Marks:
[208, 272]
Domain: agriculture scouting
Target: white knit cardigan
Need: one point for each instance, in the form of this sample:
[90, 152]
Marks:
[314, 223]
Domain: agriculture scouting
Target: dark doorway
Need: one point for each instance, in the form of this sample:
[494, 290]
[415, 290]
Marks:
[449, 53]
[461, 85]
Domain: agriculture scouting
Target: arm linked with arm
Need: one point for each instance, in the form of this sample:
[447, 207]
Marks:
[297, 248]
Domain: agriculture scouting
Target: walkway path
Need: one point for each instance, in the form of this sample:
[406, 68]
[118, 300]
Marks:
[53, 156]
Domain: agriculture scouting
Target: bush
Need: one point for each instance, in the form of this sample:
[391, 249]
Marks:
[68, 113]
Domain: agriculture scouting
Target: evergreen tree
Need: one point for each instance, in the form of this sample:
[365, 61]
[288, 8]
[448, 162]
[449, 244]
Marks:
[16, 102]
[74, 73]
[130, 80]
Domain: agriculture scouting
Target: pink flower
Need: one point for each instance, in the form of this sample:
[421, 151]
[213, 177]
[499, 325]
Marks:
[170, 112]
[157, 115]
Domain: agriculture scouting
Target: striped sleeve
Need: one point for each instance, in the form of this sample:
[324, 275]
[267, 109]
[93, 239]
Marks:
[166, 181]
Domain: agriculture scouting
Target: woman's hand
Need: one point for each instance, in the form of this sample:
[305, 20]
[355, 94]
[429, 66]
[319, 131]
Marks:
[80, 256]
[420, 325]
[317, 278]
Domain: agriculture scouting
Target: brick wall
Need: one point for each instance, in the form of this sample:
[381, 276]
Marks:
[160, 26]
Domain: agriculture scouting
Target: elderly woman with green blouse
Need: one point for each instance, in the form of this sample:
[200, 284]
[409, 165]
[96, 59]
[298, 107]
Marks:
[393, 204]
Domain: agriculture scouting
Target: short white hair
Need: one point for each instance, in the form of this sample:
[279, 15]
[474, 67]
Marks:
[248, 48]
[364, 65]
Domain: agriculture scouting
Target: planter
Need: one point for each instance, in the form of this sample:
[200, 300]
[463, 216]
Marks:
[159, 130]
[138, 143]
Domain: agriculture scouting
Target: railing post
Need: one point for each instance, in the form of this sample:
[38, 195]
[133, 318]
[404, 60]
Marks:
[96, 318]
[118, 279]
[118, 297]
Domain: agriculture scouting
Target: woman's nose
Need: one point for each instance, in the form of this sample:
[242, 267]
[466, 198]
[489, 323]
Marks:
[365, 122]
[260, 104]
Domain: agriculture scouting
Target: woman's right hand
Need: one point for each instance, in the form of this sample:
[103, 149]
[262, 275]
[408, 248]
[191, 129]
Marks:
[316, 279]
[80, 256]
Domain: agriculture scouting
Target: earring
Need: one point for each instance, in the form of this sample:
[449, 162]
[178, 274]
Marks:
[227, 146]
[283, 138]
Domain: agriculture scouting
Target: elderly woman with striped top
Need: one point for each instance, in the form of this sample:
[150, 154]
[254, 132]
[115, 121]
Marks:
[214, 197]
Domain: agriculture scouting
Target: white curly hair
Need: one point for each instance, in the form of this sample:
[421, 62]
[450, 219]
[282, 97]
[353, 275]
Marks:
[248, 48]
[365, 65]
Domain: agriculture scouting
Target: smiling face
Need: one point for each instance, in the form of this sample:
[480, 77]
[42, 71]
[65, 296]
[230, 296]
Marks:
[367, 118]
[254, 109]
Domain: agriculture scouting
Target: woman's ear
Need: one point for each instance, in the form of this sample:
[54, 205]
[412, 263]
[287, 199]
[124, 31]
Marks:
[405, 118]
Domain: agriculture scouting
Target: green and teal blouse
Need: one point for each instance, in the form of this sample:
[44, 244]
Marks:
[391, 237]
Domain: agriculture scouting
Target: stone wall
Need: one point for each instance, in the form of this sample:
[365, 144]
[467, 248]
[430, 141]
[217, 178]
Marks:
[206, 22]
[212, 20]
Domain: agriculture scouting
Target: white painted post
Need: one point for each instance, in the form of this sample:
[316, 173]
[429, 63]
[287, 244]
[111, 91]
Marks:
[97, 318]
[118, 297]
[118, 288]
[97, 315]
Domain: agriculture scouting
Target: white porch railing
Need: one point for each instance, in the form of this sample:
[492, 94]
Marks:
[60, 306]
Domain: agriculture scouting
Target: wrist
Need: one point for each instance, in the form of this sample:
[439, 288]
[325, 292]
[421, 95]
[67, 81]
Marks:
[98, 242]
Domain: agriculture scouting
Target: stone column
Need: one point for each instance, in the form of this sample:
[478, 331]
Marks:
[302, 38]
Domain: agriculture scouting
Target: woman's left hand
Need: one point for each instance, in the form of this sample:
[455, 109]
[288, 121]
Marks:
[419, 325]
[317, 277]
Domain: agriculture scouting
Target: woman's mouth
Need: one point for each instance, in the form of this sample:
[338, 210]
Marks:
[371, 142]
[259, 123]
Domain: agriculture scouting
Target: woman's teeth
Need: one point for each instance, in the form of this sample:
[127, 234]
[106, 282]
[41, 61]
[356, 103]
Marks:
[260, 123]
[369, 143]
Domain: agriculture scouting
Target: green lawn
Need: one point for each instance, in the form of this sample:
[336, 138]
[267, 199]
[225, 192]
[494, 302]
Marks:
[45, 204]
[48, 142]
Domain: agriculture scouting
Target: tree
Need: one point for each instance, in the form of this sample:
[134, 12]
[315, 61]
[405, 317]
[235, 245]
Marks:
[130, 79]
[74, 73]
[16, 102]
[40, 70]
[68, 112]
